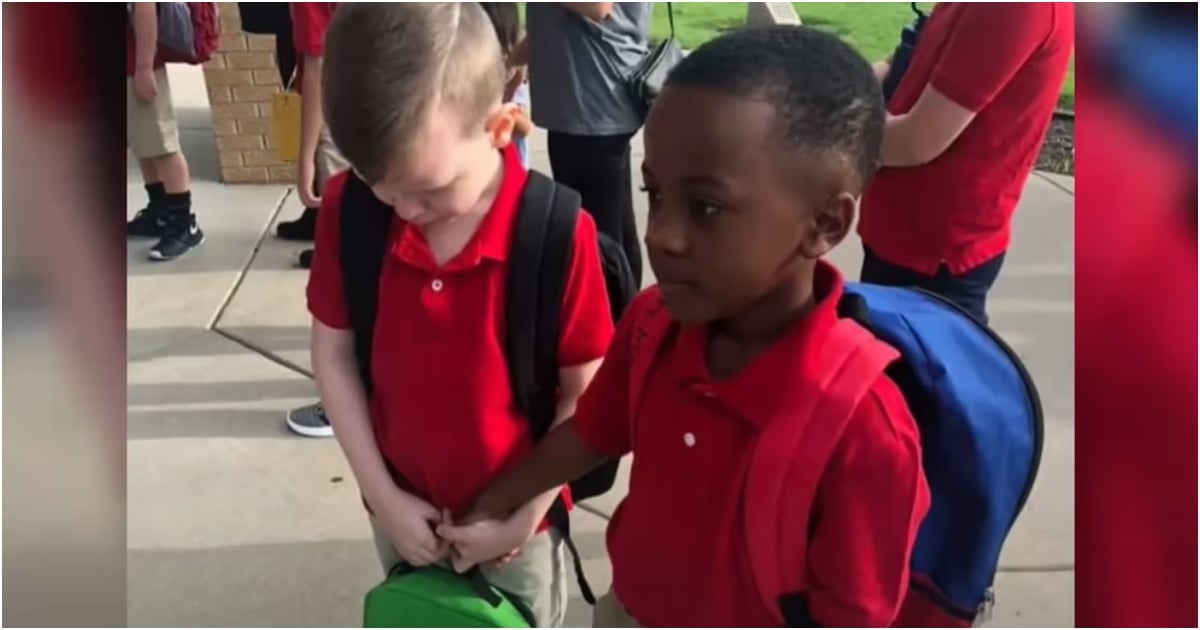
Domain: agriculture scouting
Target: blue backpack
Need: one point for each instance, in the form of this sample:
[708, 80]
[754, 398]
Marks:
[980, 422]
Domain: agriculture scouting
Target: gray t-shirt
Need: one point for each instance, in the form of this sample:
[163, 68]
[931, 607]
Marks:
[578, 67]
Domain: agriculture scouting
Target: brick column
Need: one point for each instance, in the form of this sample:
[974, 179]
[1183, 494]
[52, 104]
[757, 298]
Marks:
[241, 77]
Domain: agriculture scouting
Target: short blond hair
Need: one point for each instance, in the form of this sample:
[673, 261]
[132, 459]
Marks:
[388, 65]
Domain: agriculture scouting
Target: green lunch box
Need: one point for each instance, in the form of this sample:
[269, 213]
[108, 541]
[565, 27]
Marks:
[437, 597]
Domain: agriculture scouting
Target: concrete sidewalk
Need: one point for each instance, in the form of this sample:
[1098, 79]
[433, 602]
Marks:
[232, 521]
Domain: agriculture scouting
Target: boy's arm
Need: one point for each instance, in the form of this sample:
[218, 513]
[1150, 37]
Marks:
[145, 38]
[870, 506]
[346, 405]
[572, 382]
[311, 121]
[309, 23]
[145, 33]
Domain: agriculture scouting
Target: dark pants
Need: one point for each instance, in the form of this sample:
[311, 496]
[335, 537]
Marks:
[969, 289]
[598, 168]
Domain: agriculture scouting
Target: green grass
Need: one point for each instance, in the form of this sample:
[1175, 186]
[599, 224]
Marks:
[872, 28]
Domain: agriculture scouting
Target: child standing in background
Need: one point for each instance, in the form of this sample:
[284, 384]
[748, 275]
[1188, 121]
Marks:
[507, 23]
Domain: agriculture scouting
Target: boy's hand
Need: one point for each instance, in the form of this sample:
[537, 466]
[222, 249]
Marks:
[483, 540]
[144, 85]
[409, 524]
[306, 175]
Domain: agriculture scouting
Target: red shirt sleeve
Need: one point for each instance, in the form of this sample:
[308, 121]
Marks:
[309, 21]
[870, 506]
[587, 326]
[602, 413]
[988, 44]
[326, 296]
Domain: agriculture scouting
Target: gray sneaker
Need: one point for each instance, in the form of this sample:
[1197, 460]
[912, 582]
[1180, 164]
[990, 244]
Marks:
[310, 421]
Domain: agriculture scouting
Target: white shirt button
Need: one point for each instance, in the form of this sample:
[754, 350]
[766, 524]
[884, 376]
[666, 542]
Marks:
[437, 286]
[689, 439]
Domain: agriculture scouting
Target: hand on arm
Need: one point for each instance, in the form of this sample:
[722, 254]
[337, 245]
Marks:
[503, 519]
[145, 36]
[311, 122]
[408, 521]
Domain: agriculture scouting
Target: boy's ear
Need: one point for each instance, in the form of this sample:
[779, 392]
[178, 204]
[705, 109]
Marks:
[830, 223]
[500, 123]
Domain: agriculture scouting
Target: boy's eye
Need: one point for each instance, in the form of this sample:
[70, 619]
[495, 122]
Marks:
[705, 208]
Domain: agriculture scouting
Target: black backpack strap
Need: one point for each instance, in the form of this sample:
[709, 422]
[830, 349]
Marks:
[537, 269]
[541, 251]
[365, 223]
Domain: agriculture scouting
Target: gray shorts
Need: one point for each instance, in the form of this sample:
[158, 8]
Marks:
[538, 574]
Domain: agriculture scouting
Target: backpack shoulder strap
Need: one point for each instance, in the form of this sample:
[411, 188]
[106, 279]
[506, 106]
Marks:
[543, 236]
[364, 226]
[790, 458]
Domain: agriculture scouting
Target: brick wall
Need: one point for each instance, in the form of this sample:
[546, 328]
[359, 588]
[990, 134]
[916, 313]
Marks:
[241, 77]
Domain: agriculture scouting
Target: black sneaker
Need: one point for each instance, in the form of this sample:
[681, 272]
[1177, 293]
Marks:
[301, 229]
[310, 421]
[304, 261]
[179, 235]
[147, 223]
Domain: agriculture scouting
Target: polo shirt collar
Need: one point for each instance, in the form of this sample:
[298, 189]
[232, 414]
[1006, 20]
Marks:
[493, 236]
[759, 392]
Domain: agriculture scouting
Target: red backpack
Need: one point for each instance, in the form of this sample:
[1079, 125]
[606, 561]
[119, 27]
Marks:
[789, 457]
[187, 32]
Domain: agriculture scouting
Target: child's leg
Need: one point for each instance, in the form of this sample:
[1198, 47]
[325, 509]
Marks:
[609, 613]
[538, 575]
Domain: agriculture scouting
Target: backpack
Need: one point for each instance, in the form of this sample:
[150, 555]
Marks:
[436, 597]
[187, 31]
[541, 248]
[980, 421]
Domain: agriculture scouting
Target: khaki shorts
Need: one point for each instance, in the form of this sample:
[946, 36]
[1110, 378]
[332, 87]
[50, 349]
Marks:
[538, 574]
[329, 160]
[151, 127]
[609, 613]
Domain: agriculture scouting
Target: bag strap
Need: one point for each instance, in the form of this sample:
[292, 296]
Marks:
[541, 248]
[365, 225]
[789, 461]
[543, 237]
[671, 19]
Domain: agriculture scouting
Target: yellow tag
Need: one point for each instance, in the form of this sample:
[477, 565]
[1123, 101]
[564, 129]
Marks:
[285, 125]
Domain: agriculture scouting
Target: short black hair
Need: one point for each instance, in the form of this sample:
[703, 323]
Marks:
[826, 96]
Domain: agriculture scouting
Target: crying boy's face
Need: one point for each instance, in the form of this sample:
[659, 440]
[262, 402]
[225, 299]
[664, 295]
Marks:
[733, 215]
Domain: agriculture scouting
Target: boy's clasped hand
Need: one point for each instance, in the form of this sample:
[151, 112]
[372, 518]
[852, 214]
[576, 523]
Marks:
[423, 535]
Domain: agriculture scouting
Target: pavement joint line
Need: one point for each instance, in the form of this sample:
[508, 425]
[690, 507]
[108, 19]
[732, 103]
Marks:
[245, 270]
[1051, 181]
[266, 354]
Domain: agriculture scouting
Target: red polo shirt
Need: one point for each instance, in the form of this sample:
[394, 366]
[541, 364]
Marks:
[309, 22]
[677, 543]
[1005, 62]
[442, 408]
